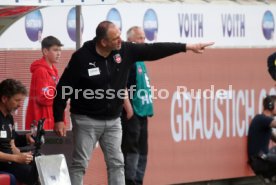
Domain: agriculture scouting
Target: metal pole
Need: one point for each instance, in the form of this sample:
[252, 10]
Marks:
[78, 26]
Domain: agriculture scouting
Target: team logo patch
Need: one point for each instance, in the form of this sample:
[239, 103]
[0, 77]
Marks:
[117, 58]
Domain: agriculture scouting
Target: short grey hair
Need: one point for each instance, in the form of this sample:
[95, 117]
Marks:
[130, 31]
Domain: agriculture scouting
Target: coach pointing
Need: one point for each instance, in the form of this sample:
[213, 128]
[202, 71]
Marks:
[96, 73]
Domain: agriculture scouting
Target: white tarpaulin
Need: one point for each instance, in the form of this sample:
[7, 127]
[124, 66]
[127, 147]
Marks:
[52, 170]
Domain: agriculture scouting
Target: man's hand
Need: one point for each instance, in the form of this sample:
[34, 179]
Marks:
[60, 128]
[127, 106]
[29, 138]
[129, 114]
[23, 158]
[199, 47]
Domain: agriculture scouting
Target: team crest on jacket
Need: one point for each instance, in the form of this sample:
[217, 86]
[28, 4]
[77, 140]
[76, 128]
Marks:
[117, 58]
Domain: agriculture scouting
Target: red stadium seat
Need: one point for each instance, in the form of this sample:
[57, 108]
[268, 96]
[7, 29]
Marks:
[4, 179]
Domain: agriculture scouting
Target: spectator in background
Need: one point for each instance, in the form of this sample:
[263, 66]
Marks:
[43, 84]
[135, 117]
[102, 66]
[261, 158]
[12, 93]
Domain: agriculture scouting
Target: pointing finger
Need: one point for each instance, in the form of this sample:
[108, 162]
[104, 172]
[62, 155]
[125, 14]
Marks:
[207, 44]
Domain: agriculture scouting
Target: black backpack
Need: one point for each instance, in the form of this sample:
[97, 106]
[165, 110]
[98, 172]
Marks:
[271, 64]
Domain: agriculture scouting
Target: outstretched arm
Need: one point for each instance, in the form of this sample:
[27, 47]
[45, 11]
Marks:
[199, 47]
[158, 50]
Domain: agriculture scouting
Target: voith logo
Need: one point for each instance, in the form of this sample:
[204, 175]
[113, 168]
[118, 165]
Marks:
[71, 24]
[268, 25]
[150, 25]
[114, 16]
[34, 25]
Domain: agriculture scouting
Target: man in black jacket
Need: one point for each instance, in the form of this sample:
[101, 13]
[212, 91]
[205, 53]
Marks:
[12, 93]
[95, 81]
[262, 158]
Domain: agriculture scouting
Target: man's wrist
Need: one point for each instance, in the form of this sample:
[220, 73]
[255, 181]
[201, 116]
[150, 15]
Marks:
[185, 47]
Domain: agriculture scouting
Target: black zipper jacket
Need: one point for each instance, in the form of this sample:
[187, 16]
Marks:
[92, 82]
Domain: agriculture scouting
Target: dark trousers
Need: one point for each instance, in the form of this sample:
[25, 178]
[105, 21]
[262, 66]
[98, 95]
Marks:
[135, 148]
[24, 173]
[264, 166]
